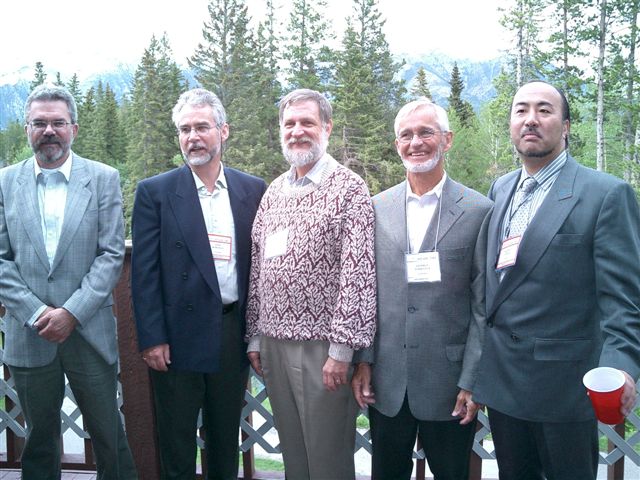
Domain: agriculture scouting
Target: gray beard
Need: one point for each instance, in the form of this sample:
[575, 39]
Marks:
[300, 159]
[425, 166]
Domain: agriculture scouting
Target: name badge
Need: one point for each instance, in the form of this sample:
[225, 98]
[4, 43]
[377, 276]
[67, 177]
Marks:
[220, 246]
[276, 244]
[509, 252]
[423, 267]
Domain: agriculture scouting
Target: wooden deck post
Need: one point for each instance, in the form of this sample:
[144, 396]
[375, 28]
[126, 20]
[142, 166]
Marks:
[136, 385]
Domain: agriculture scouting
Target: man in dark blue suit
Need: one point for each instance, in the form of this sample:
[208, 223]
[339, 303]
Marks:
[563, 296]
[190, 273]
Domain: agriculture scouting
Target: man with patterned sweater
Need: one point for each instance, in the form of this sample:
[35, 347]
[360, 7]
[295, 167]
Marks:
[312, 293]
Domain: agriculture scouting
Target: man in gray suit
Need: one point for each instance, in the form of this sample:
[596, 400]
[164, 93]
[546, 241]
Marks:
[61, 252]
[430, 268]
[563, 296]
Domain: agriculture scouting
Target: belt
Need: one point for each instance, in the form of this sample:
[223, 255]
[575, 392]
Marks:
[227, 308]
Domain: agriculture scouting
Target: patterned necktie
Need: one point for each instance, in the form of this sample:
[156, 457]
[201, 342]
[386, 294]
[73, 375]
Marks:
[521, 207]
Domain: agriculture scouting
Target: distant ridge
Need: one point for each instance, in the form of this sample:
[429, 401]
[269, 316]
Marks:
[477, 76]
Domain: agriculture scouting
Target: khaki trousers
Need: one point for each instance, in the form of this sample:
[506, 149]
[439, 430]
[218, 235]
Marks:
[316, 427]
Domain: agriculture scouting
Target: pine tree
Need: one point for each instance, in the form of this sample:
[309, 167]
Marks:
[305, 51]
[153, 143]
[367, 97]
[219, 60]
[58, 81]
[39, 76]
[73, 86]
[420, 88]
[463, 109]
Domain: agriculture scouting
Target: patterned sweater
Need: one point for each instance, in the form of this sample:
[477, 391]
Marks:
[324, 286]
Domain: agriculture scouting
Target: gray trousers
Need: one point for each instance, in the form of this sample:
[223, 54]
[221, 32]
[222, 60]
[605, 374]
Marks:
[316, 427]
[94, 386]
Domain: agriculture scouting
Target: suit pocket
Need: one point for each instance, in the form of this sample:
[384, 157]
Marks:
[455, 352]
[453, 254]
[562, 350]
[567, 239]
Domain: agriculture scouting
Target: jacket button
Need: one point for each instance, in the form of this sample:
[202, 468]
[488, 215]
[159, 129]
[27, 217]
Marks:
[179, 244]
[189, 307]
[184, 275]
[412, 309]
[50, 279]
[515, 338]
[490, 324]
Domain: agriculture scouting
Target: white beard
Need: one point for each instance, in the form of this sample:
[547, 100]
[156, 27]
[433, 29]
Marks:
[425, 166]
[300, 159]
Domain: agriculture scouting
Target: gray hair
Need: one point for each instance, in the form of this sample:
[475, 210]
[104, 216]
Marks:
[304, 95]
[442, 119]
[51, 93]
[200, 97]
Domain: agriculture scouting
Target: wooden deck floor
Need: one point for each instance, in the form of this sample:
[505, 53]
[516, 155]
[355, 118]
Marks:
[66, 475]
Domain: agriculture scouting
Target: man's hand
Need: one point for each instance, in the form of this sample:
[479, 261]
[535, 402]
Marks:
[254, 358]
[361, 385]
[157, 357]
[55, 324]
[628, 398]
[334, 374]
[465, 407]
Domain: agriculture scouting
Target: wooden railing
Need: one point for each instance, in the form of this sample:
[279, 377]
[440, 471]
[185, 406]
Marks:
[257, 423]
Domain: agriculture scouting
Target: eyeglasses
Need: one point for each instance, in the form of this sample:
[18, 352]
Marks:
[199, 129]
[424, 134]
[40, 125]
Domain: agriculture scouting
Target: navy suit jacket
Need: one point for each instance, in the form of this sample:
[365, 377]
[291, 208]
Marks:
[570, 303]
[175, 290]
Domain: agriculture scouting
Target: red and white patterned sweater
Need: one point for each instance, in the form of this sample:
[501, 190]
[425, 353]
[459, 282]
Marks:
[324, 286]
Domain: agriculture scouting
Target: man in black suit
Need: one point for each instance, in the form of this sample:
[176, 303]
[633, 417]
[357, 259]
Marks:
[190, 272]
[563, 296]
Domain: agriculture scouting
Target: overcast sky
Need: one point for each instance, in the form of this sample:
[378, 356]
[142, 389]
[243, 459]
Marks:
[86, 36]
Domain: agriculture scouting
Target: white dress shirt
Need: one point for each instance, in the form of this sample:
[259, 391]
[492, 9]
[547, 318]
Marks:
[420, 211]
[218, 218]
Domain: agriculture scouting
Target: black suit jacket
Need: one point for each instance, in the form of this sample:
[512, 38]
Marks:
[175, 290]
[571, 302]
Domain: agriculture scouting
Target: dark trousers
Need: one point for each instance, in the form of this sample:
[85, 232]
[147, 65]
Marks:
[537, 450]
[180, 395]
[447, 445]
[94, 386]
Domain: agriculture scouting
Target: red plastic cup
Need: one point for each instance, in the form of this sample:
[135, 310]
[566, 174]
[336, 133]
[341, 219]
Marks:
[604, 387]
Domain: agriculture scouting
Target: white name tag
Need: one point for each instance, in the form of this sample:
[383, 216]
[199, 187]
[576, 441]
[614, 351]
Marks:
[276, 244]
[509, 252]
[423, 267]
[220, 246]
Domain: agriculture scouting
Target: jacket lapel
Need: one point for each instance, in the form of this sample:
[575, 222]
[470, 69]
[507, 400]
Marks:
[391, 205]
[446, 214]
[185, 205]
[78, 196]
[242, 226]
[545, 224]
[27, 196]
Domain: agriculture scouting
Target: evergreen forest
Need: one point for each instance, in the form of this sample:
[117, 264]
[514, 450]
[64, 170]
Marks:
[586, 47]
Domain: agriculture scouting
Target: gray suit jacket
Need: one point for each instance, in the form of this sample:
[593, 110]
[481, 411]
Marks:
[570, 303]
[429, 335]
[86, 267]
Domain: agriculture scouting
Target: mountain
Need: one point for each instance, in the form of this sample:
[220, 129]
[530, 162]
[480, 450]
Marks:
[477, 77]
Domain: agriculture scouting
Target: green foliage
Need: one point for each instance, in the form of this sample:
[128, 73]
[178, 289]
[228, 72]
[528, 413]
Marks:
[462, 108]
[420, 88]
[305, 53]
[39, 76]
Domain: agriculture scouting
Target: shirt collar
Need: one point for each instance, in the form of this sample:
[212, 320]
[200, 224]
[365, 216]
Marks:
[64, 169]
[544, 176]
[221, 181]
[314, 175]
[437, 191]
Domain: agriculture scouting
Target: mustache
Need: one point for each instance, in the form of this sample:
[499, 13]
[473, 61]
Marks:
[530, 131]
[293, 141]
